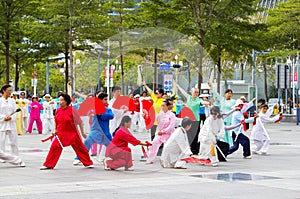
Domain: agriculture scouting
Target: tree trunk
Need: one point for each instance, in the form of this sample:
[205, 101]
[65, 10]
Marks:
[17, 71]
[200, 77]
[155, 70]
[242, 70]
[265, 80]
[72, 71]
[189, 77]
[67, 68]
[122, 73]
[219, 72]
[6, 43]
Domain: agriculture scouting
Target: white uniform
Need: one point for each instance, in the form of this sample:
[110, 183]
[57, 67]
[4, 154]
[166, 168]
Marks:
[176, 148]
[8, 128]
[47, 117]
[207, 136]
[15, 160]
[259, 135]
[118, 115]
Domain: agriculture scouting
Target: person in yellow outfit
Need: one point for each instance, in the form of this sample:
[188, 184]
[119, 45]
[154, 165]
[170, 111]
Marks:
[19, 114]
[157, 99]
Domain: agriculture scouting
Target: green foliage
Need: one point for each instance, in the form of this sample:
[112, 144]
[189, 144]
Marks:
[284, 28]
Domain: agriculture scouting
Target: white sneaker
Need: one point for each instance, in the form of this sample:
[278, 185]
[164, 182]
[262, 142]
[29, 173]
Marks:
[90, 166]
[248, 157]
[129, 168]
[22, 164]
[77, 162]
[143, 159]
[2, 161]
[45, 168]
[215, 164]
[148, 162]
[265, 153]
[175, 167]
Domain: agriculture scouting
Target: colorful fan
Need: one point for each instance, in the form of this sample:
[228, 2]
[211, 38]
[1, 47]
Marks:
[121, 102]
[91, 104]
[187, 112]
[196, 160]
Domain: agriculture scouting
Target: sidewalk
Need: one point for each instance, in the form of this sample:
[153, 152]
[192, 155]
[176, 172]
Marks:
[274, 176]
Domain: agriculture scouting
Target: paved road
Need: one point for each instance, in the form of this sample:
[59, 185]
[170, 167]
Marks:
[274, 176]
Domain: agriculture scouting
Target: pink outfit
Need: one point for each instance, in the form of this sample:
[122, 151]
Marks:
[35, 108]
[166, 124]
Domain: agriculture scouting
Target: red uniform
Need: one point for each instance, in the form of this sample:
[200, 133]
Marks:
[66, 121]
[119, 151]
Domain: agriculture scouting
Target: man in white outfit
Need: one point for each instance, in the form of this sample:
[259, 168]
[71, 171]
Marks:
[8, 120]
[118, 114]
[259, 135]
[177, 147]
[47, 117]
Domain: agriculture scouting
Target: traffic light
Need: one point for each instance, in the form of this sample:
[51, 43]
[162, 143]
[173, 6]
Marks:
[176, 66]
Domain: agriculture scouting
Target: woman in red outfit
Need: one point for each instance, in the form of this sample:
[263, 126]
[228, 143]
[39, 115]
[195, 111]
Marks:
[66, 134]
[118, 154]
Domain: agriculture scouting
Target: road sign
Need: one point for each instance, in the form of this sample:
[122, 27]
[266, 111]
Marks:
[283, 77]
[168, 83]
[164, 66]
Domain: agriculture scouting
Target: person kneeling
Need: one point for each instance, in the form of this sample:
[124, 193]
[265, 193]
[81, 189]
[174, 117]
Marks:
[118, 154]
[177, 147]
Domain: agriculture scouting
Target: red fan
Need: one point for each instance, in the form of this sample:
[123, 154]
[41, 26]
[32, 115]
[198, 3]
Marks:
[149, 113]
[121, 102]
[196, 160]
[187, 112]
[132, 106]
[91, 104]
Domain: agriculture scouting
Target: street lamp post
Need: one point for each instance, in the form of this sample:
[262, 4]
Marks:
[47, 75]
[254, 53]
[98, 49]
[176, 73]
[58, 57]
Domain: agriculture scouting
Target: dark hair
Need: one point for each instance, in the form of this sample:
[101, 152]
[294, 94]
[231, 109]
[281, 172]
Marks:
[167, 101]
[186, 122]
[216, 109]
[97, 92]
[260, 103]
[264, 106]
[228, 91]
[59, 93]
[144, 92]
[5, 87]
[161, 91]
[116, 88]
[124, 120]
[66, 97]
[102, 95]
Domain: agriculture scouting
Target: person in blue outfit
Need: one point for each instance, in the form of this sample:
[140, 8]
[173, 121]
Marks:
[238, 133]
[99, 132]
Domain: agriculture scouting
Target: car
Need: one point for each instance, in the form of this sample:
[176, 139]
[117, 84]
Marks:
[273, 101]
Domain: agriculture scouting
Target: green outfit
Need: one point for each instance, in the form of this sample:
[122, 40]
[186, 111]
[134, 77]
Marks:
[226, 106]
[194, 105]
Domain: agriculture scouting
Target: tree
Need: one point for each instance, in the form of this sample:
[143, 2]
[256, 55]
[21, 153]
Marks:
[67, 25]
[11, 13]
[199, 18]
[284, 28]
